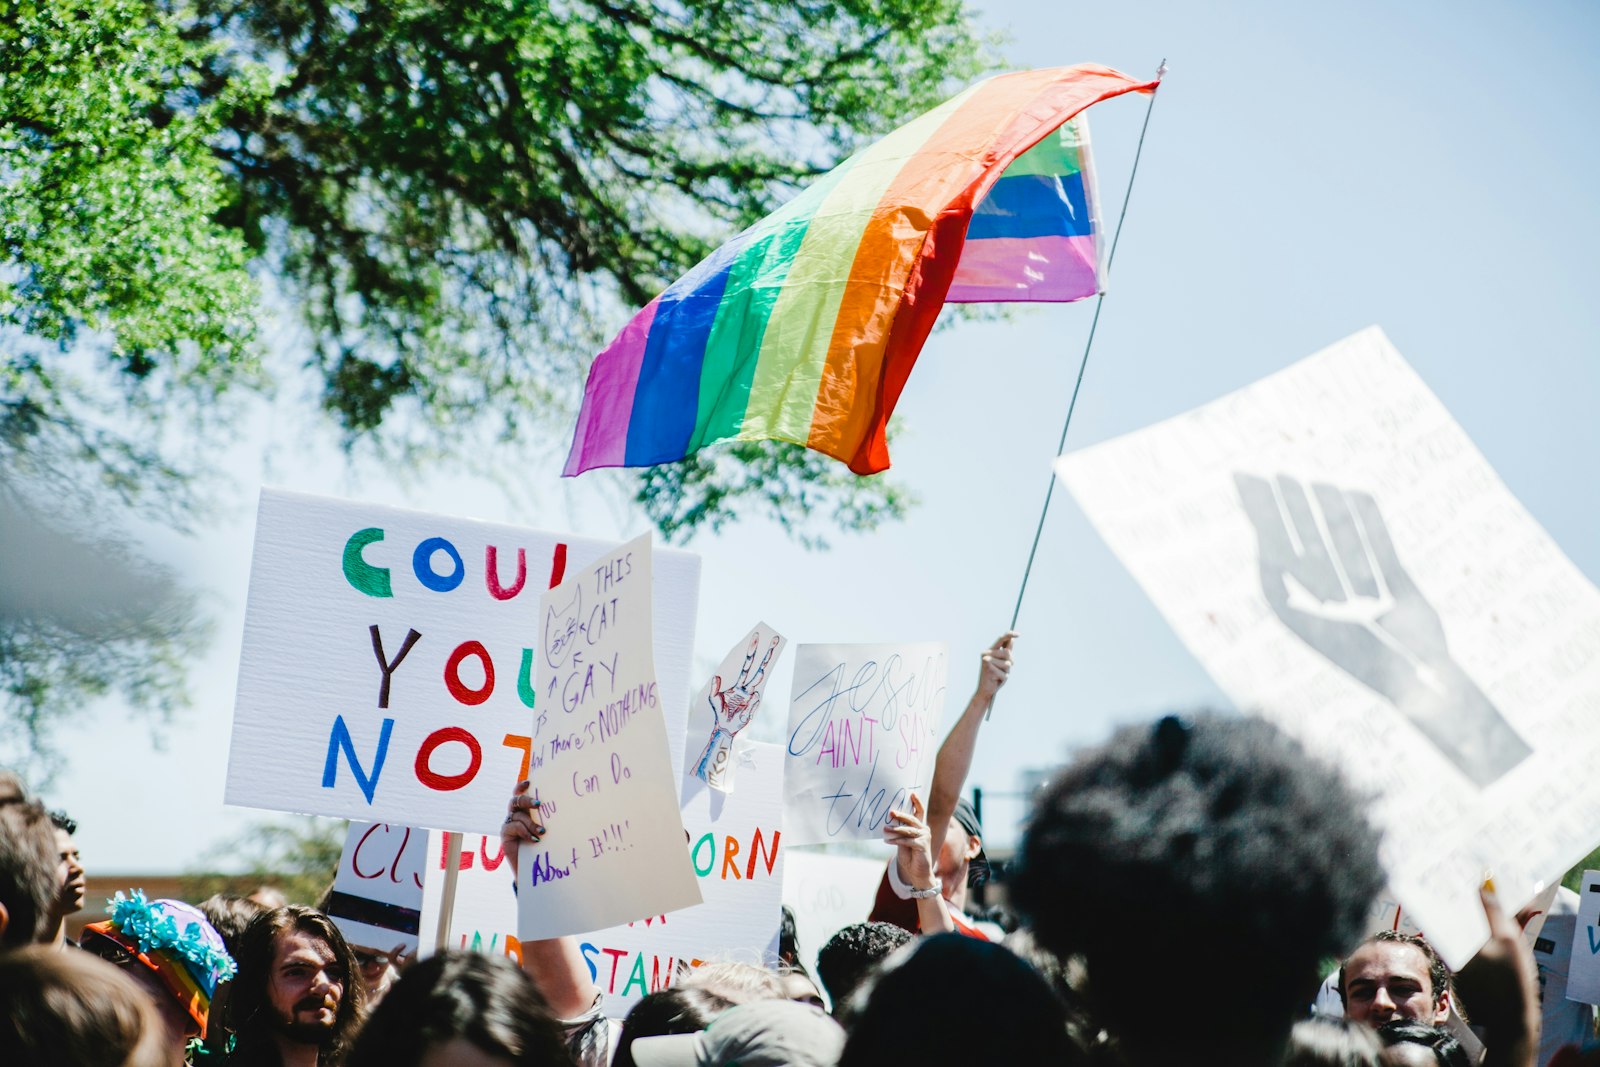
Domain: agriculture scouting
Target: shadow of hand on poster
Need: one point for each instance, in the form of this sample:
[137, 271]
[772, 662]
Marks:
[1330, 573]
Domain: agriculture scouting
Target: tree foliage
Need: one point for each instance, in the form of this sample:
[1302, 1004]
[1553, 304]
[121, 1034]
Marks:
[298, 856]
[459, 202]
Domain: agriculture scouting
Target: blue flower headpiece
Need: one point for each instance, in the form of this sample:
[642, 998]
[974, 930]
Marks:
[155, 926]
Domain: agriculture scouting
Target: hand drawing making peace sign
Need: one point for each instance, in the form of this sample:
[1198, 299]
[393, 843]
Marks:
[732, 708]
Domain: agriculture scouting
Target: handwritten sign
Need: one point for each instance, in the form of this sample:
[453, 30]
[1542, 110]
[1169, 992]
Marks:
[737, 850]
[728, 703]
[863, 730]
[1333, 549]
[388, 670]
[606, 778]
[377, 893]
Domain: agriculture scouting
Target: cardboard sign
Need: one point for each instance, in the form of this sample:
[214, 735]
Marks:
[388, 669]
[728, 703]
[738, 853]
[602, 767]
[736, 848]
[863, 733]
[377, 893]
[1334, 551]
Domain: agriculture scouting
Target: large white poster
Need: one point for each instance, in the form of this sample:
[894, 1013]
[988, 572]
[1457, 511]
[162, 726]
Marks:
[1333, 549]
[388, 672]
[603, 773]
[863, 733]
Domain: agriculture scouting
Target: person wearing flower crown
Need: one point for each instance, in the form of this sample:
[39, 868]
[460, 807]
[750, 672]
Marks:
[171, 951]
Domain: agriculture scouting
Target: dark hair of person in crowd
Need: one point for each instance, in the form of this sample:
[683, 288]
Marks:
[849, 956]
[1438, 973]
[250, 1012]
[70, 1009]
[230, 916]
[29, 866]
[1325, 1041]
[789, 940]
[675, 1010]
[1217, 838]
[997, 1009]
[1437, 1040]
[461, 998]
[62, 821]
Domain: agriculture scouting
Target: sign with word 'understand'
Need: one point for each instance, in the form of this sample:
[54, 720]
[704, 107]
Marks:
[389, 670]
[607, 790]
[863, 733]
[1342, 560]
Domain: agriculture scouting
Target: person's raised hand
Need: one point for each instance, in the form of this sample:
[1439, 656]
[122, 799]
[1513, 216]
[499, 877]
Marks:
[996, 665]
[524, 822]
[908, 832]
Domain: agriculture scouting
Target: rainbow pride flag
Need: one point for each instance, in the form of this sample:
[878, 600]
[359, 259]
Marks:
[805, 327]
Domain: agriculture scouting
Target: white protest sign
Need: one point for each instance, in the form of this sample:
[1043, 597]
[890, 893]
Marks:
[1336, 553]
[377, 893]
[863, 733]
[827, 893]
[735, 846]
[387, 670]
[728, 703]
[607, 781]
[1583, 974]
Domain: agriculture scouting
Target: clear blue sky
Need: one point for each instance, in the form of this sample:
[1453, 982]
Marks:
[1310, 170]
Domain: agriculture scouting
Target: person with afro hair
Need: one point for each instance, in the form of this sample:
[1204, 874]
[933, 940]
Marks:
[1216, 841]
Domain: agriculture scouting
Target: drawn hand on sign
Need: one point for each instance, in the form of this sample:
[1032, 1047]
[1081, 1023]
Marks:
[1331, 574]
[732, 709]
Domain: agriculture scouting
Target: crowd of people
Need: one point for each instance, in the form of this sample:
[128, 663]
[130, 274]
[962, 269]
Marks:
[1177, 898]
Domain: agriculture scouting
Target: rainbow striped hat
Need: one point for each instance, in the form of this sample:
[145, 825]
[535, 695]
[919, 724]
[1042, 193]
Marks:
[171, 938]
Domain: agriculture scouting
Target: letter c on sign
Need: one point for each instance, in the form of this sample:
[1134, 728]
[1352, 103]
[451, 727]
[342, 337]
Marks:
[363, 576]
[446, 782]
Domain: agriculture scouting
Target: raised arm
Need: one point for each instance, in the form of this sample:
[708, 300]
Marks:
[909, 834]
[955, 754]
[554, 964]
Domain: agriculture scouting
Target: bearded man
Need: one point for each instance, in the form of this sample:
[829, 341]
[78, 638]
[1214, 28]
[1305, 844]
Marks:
[297, 1000]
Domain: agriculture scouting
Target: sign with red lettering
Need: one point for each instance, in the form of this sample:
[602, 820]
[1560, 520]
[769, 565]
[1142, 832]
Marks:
[389, 670]
[863, 733]
[376, 900]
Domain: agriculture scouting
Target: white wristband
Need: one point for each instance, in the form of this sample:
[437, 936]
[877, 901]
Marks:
[927, 894]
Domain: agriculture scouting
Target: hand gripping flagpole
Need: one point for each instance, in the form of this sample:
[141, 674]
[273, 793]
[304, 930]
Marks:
[1087, 347]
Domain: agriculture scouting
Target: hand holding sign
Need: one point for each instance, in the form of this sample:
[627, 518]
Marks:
[1330, 573]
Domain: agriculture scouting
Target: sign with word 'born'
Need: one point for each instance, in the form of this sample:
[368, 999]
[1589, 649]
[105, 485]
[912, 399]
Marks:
[389, 670]
[1333, 549]
[863, 733]
[607, 789]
